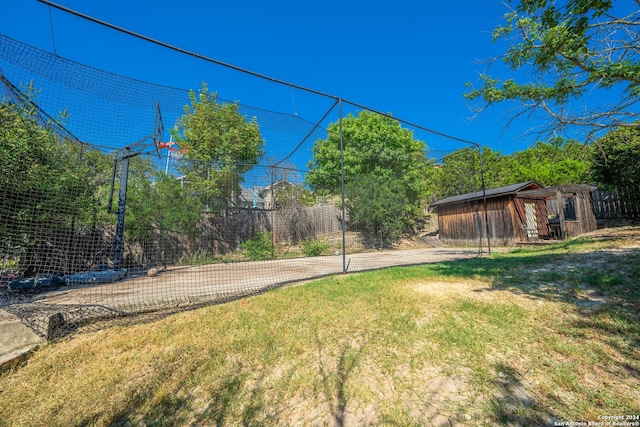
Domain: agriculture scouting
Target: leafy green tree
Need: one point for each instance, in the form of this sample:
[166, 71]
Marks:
[379, 207]
[141, 210]
[220, 145]
[460, 171]
[567, 51]
[557, 162]
[158, 207]
[376, 149]
[616, 160]
[459, 174]
[44, 188]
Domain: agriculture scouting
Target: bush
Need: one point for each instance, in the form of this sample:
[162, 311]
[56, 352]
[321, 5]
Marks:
[313, 247]
[199, 256]
[260, 247]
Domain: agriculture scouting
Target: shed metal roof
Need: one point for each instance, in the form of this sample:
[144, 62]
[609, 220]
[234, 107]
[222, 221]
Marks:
[494, 192]
[552, 191]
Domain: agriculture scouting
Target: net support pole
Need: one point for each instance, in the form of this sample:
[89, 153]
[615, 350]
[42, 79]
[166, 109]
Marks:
[344, 223]
[273, 214]
[484, 199]
[122, 204]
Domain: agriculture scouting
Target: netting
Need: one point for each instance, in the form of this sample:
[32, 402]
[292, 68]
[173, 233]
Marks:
[121, 197]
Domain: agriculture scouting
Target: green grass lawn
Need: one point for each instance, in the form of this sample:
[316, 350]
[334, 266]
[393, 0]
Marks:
[523, 338]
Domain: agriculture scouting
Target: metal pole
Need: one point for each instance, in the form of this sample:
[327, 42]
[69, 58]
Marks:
[344, 224]
[122, 204]
[166, 168]
[273, 218]
[484, 197]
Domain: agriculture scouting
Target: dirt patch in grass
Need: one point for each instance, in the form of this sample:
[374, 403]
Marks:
[481, 291]
[578, 352]
[631, 233]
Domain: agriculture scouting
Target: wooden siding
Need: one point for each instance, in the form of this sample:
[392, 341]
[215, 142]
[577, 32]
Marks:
[585, 217]
[542, 219]
[464, 224]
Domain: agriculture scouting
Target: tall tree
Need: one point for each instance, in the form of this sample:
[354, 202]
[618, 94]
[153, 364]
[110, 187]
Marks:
[374, 145]
[616, 161]
[556, 162]
[460, 171]
[376, 149]
[157, 208]
[379, 207]
[220, 144]
[569, 50]
[44, 188]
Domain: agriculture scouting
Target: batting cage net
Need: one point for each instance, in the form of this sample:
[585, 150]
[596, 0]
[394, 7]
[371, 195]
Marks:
[120, 197]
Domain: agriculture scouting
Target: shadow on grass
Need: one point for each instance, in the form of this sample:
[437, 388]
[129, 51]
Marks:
[240, 396]
[601, 290]
[334, 383]
[611, 275]
[514, 405]
[237, 388]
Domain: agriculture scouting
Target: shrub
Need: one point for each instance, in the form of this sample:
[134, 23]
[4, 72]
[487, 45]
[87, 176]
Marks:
[313, 247]
[260, 247]
[199, 256]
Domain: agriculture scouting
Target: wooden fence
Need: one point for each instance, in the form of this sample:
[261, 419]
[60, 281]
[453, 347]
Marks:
[610, 205]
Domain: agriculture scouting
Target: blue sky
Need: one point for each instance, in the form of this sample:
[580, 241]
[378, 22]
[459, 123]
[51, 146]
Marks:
[409, 58]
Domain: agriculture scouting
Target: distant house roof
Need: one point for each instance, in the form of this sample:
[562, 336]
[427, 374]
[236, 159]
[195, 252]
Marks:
[275, 186]
[494, 192]
[248, 195]
[257, 196]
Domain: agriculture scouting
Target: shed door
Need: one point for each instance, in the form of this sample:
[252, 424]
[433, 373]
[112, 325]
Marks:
[532, 223]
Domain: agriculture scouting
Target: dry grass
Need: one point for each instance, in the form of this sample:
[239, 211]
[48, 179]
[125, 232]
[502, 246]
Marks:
[526, 338]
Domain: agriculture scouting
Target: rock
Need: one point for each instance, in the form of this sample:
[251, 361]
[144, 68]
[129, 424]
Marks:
[55, 324]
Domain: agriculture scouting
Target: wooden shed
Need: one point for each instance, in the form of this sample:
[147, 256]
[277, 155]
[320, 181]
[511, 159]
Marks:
[522, 212]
